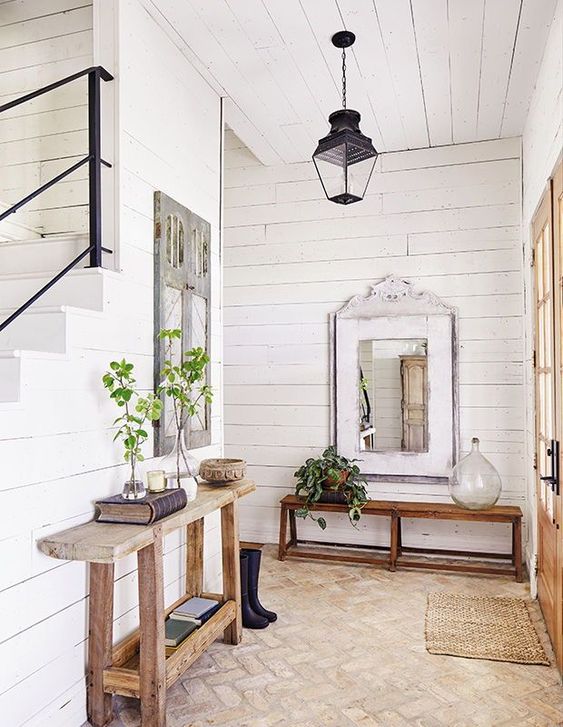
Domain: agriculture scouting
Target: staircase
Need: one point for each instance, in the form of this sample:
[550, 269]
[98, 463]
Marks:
[44, 330]
[44, 286]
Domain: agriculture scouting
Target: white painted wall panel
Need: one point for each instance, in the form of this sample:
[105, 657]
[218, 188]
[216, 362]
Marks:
[452, 225]
[57, 442]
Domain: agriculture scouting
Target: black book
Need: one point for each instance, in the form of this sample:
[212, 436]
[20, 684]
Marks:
[153, 507]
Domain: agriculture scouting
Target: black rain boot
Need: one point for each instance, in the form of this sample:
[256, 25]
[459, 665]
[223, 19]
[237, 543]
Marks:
[254, 557]
[250, 619]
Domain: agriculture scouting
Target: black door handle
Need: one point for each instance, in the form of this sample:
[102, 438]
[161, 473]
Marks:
[553, 478]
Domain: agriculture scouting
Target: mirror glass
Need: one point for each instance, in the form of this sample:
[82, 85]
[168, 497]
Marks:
[393, 414]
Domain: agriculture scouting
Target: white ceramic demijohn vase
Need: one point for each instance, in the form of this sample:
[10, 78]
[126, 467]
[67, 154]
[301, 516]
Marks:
[182, 461]
[475, 483]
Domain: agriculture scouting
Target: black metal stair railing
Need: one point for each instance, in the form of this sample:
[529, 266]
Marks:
[96, 74]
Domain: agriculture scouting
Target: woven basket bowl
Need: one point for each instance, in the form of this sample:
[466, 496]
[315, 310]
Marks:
[222, 470]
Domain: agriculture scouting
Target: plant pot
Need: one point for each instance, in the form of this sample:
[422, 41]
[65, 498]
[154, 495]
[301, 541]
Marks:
[332, 489]
[336, 482]
[337, 497]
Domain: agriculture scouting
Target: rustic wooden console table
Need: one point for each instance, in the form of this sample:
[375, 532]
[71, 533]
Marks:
[396, 511]
[138, 667]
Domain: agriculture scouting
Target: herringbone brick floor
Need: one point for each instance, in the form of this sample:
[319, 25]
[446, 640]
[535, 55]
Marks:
[348, 651]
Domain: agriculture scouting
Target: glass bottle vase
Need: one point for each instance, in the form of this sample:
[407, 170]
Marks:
[474, 482]
[180, 467]
[133, 490]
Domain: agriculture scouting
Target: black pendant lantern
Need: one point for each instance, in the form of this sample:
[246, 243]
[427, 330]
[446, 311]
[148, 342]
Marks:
[345, 158]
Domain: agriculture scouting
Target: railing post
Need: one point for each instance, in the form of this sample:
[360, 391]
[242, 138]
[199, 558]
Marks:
[95, 168]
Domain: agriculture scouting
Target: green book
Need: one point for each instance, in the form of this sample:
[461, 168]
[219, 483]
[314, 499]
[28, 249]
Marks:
[176, 631]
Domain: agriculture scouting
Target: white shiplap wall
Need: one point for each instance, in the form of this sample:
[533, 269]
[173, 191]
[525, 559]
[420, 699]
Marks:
[446, 218]
[542, 144]
[56, 445]
[42, 42]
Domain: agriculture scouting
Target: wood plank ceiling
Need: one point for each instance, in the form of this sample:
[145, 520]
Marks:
[422, 72]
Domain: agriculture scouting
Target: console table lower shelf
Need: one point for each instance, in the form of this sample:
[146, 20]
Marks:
[124, 676]
[138, 665]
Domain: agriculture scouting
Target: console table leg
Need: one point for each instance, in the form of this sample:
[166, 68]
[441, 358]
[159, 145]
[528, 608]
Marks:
[394, 542]
[231, 569]
[517, 548]
[194, 558]
[100, 628]
[151, 615]
[283, 533]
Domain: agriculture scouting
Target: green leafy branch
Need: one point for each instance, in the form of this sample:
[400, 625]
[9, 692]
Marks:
[137, 410]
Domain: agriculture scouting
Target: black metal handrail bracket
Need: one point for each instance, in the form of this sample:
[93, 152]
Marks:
[95, 74]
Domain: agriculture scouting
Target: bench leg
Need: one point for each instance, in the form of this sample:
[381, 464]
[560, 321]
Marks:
[231, 569]
[292, 528]
[194, 558]
[152, 665]
[100, 627]
[394, 541]
[517, 548]
[283, 533]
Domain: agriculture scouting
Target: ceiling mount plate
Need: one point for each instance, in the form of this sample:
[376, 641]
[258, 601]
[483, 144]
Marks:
[343, 39]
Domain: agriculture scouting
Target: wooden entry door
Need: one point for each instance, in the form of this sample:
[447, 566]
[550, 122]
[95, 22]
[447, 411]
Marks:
[548, 255]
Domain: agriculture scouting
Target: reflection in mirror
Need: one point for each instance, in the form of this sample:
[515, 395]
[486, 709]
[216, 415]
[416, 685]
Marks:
[393, 395]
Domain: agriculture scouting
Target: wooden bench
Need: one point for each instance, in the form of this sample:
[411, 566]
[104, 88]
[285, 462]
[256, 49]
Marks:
[396, 511]
[292, 548]
[138, 666]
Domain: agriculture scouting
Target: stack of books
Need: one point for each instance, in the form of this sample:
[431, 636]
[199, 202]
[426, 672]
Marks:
[196, 610]
[187, 618]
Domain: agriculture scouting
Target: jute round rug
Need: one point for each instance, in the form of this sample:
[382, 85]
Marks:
[482, 627]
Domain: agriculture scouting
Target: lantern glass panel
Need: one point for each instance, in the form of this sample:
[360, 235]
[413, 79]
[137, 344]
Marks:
[345, 170]
[359, 173]
[331, 167]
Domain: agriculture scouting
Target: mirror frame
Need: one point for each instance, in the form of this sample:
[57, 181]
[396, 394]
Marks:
[394, 308]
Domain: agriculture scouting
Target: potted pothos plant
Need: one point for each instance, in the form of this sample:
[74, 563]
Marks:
[183, 381]
[331, 477]
[120, 382]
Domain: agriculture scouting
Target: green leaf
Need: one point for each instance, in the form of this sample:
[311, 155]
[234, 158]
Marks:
[321, 522]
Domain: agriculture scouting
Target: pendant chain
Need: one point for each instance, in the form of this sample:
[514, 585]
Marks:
[344, 78]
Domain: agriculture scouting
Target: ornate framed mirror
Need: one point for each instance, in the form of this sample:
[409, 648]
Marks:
[395, 383]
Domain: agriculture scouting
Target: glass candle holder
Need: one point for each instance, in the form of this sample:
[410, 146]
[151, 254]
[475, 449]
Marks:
[156, 480]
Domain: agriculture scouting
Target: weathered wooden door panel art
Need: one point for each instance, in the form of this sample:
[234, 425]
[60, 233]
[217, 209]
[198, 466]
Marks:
[182, 289]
